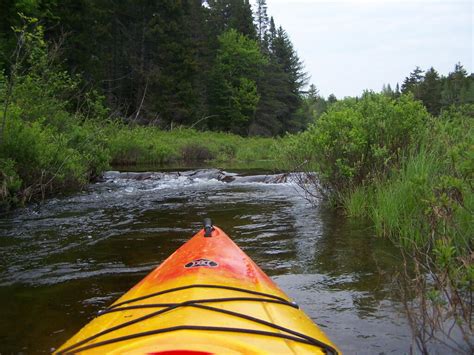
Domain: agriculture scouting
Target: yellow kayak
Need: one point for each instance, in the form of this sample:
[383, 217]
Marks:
[208, 297]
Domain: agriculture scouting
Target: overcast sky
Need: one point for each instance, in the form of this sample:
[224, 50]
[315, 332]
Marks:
[351, 45]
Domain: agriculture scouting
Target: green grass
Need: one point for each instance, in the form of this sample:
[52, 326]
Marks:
[397, 205]
[38, 159]
[148, 145]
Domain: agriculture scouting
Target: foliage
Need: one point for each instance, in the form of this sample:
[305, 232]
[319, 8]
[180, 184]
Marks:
[440, 92]
[234, 95]
[412, 175]
[164, 63]
[145, 145]
[426, 207]
[45, 148]
[10, 183]
[51, 145]
[358, 141]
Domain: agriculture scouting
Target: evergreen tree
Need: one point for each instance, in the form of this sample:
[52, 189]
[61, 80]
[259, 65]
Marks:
[455, 86]
[412, 82]
[332, 99]
[273, 88]
[387, 91]
[243, 19]
[168, 62]
[313, 93]
[313, 106]
[467, 93]
[272, 33]
[236, 14]
[397, 92]
[288, 62]
[430, 91]
[261, 19]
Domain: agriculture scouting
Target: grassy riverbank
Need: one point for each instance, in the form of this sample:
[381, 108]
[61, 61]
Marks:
[148, 145]
[39, 158]
[387, 160]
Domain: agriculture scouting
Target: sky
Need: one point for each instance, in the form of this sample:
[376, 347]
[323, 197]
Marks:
[349, 46]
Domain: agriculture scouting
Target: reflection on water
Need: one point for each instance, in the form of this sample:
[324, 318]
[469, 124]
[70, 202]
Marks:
[65, 260]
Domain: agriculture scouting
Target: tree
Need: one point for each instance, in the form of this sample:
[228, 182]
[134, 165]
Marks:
[387, 91]
[467, 93]
[261, 19]
[455, 86]
[430, 91]
[397, 92]
[287, 60]
[332, 99]
[11, 12]
[233, 91]
[412, 82]
[313, 106]
[313, 93]
[232, 14]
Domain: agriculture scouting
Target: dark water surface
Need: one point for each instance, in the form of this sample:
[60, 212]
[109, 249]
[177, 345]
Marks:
[62, 262]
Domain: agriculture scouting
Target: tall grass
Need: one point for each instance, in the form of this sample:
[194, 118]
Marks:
[397, 205]
[426, 206]
[412, 175]
[149, 145]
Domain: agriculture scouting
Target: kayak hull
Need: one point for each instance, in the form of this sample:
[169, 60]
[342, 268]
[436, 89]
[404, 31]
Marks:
[208, 297]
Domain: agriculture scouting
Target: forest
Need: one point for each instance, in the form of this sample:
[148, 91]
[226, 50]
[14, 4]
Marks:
[210, 65]
[213, 65]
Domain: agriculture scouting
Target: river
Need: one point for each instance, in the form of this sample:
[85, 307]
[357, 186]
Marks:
[69, 257]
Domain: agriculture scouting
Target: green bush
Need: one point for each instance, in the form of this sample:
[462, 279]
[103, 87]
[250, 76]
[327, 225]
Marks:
[358, 140]
[431, 186]
[44, 147]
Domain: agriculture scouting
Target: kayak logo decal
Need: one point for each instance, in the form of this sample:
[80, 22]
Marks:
[201, 262]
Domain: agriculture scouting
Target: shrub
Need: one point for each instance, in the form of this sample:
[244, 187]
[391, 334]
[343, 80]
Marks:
[357, 141]
[195, 152]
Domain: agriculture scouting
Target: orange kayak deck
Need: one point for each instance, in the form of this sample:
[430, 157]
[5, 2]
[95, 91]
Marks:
[208, 297]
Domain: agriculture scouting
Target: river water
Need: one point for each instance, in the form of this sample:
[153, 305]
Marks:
[64, 260]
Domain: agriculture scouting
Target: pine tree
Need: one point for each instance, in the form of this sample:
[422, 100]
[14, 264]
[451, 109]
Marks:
[312, 107]
[261, 19]
[387, 91]
[242, 18]
[313, 93]
[467, 93]
[397, 92]
[236, 14]
[289, 63]
[286, 56]
[272, 33]
[332, 99]
[430, 91]
[456, 82]
[412, 82]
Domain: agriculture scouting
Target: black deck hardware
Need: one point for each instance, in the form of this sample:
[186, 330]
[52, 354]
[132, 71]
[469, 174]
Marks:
[208, 227]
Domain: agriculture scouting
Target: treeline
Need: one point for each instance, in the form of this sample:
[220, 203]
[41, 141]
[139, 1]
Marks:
[437, 91]
[205, 64]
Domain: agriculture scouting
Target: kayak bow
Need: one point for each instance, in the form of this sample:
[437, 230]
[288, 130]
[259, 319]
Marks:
[208, 297]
